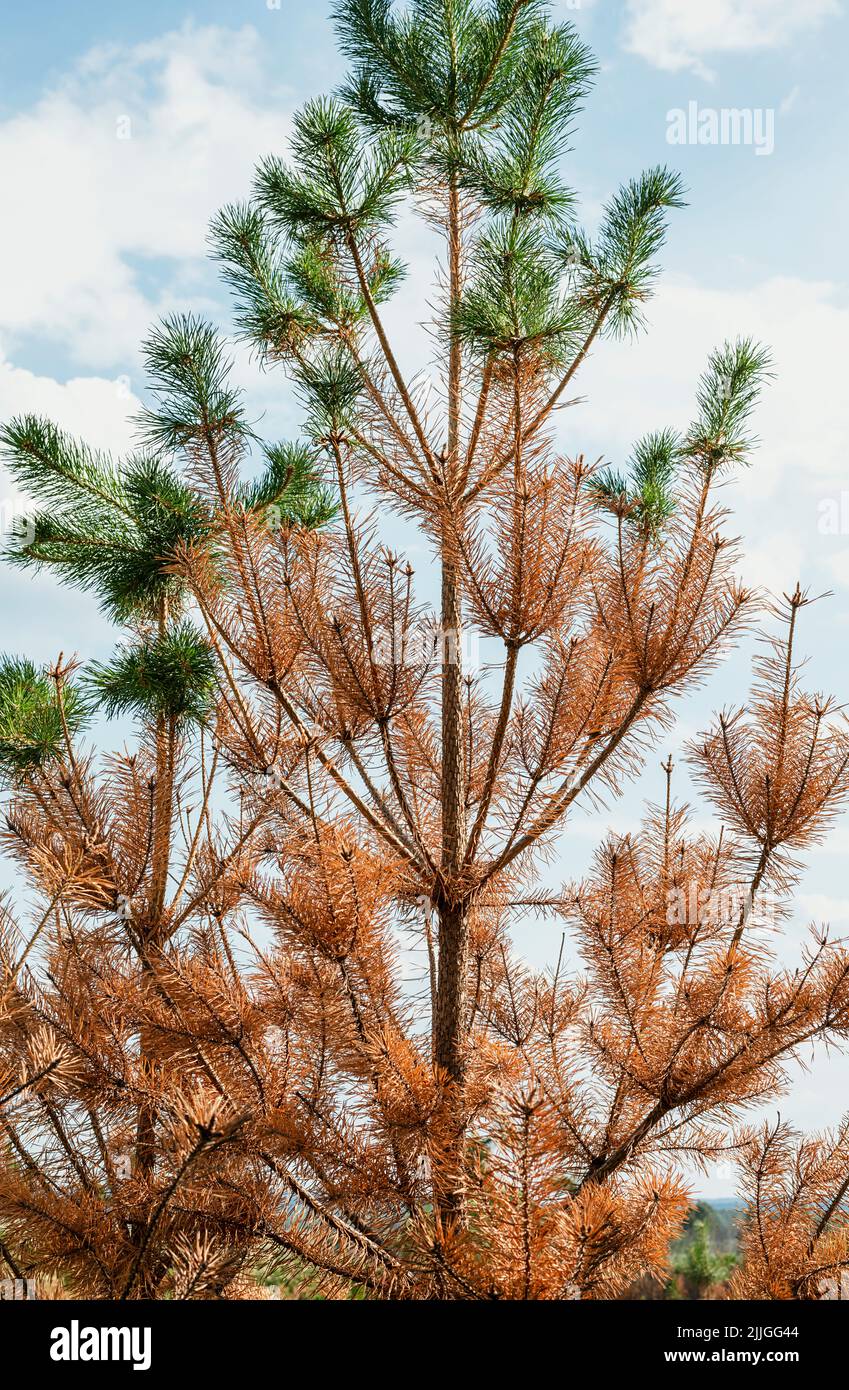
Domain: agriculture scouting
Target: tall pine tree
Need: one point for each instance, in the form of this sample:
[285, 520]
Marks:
[244, 1023]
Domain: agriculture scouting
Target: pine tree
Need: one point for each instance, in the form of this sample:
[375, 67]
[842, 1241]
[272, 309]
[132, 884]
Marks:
[698, 1268]
[498, 1132]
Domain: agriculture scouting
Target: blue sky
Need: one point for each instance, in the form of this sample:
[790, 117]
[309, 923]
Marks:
[123, 127]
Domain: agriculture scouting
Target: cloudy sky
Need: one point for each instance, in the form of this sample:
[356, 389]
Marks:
[123, 127]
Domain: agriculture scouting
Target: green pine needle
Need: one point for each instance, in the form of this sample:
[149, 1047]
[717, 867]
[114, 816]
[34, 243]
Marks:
[515, 170]
[120, 556]
[728, 392]
[268, 314]
[173, 677]
[31, 732]
[340, 184]
[617, 274]
[514, 300]
[114, 529]
[290, 492]
[457, 63]
[645, 497]
[66, 475]
[330, 387]
[189, 375]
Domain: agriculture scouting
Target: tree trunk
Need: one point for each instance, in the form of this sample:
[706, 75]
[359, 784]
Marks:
[450, 1011]
[451, 1008]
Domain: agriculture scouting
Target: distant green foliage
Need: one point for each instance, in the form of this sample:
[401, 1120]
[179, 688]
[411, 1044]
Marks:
[696, 1263]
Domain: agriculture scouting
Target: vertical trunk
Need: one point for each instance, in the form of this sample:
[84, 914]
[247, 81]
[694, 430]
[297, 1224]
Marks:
[144, 1157]
[150, 929]
[450, 1020]
[451, 1006]
[166, 749]
[453, 931]
[450, 994]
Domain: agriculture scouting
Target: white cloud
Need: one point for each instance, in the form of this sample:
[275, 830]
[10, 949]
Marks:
[680, 34]
[90, 208]
[102, 233]
[774, 563]
[96, 409]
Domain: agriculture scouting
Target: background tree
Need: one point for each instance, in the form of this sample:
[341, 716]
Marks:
[499, 1132]
[698, 1269]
